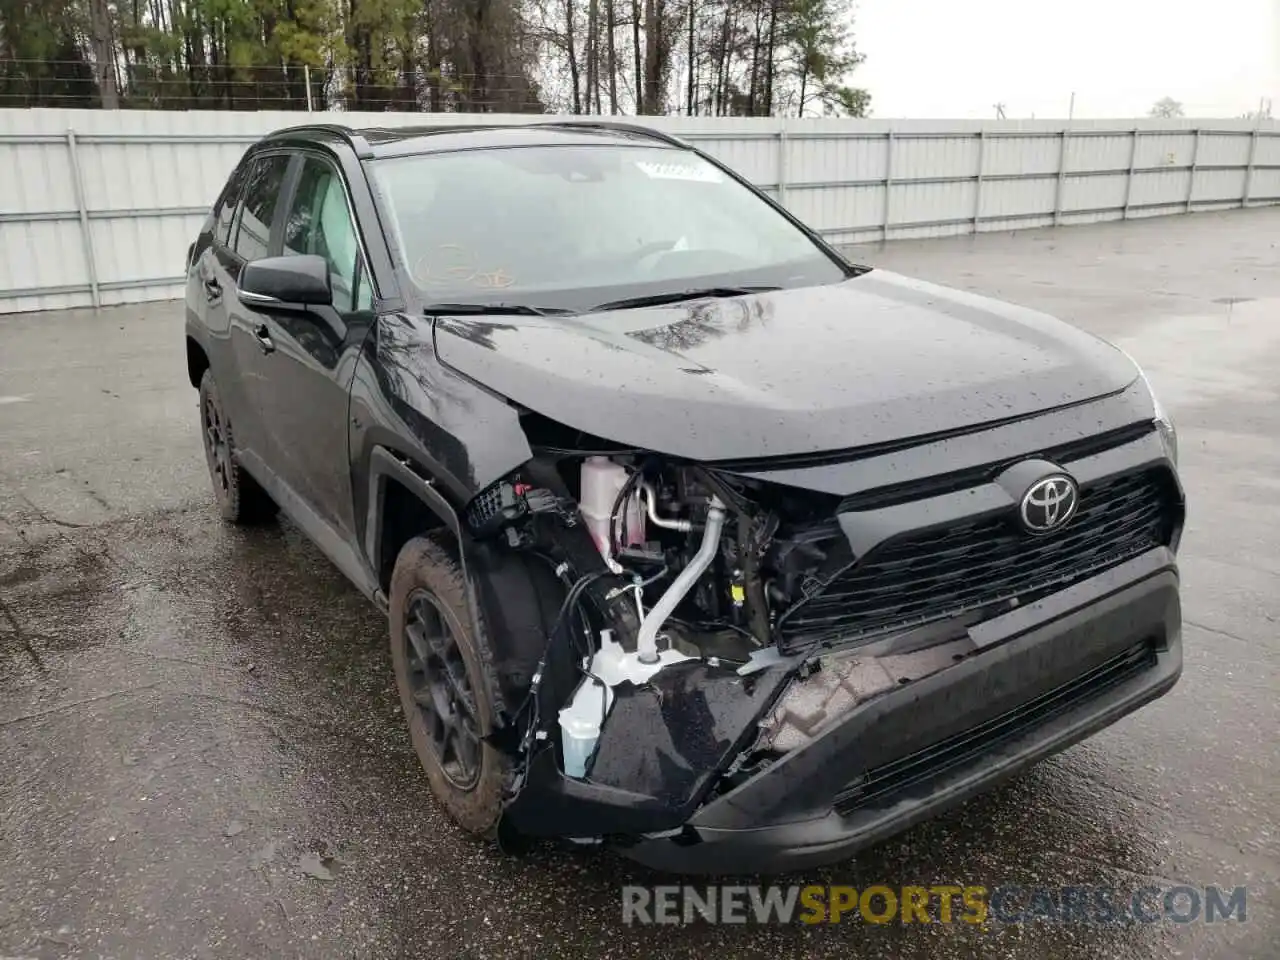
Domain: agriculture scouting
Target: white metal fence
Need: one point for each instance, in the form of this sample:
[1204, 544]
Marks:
[97, 207]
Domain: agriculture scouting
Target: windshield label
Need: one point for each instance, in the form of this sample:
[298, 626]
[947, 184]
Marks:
[679, 171]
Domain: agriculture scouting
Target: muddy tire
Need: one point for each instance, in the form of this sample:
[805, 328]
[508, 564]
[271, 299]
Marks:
[239, 497]
[448, 685]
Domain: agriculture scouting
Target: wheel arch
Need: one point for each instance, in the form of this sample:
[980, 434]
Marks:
[197, 361]
[404, 504]
[512, 598]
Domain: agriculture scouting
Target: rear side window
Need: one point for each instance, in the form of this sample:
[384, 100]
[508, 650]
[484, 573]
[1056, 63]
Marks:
[261, 195]
[225, 211]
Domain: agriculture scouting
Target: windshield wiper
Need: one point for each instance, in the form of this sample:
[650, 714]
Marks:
[677, 296]
[493, 309]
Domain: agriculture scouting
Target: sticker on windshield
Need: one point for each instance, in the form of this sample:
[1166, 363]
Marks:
[679, 171]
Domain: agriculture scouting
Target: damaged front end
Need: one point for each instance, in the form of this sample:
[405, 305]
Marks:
[660, 661]
[713, 633]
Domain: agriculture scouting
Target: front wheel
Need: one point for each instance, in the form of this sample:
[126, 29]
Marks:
[448, 685]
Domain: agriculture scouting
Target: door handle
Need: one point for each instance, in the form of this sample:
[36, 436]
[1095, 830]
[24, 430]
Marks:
[261, 334]
[212, 289]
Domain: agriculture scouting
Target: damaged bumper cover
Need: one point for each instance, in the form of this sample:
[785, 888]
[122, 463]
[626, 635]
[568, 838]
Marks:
[1028, 684]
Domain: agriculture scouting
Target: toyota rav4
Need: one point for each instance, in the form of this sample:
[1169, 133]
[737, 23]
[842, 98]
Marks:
[696, 540]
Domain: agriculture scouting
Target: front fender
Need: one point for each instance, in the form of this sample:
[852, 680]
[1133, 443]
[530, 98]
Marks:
[384, 465]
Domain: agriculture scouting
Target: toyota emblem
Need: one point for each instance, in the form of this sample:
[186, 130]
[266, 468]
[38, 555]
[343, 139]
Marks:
[1048, 504]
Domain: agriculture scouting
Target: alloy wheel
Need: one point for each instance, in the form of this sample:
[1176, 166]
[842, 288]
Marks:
[440, 687]
[218, 445]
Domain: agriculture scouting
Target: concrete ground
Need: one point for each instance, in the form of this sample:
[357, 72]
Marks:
[200, 748]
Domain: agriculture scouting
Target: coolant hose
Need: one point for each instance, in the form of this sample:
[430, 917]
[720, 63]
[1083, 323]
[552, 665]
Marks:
[647, 640]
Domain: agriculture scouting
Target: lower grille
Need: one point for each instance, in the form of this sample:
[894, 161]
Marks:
[920, 578]
[915, 770]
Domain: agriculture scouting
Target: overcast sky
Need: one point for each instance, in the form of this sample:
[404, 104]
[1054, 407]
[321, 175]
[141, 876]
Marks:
[957, 58]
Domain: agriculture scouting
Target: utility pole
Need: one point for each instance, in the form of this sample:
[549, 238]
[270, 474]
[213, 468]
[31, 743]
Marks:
[1262, 113]
[1071, 110]
[999, 111]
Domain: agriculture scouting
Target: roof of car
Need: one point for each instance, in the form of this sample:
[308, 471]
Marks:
[370, 142]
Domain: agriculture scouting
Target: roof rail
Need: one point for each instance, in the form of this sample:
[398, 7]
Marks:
[357, 142]
[636, 129]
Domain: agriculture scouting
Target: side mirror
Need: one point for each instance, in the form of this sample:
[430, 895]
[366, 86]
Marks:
[285, 283]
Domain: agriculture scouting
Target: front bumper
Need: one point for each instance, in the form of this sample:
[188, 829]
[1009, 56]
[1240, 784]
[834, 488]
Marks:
[1040, 679]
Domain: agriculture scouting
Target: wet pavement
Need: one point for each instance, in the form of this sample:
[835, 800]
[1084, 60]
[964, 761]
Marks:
[200, 748]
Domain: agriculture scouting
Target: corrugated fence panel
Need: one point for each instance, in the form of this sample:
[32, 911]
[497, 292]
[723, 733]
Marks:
[39, 261]
[1164, 150]
[1021, 155]
[1103, 152]
[839, 213]
[38, 179]
[931, 203]
[99, 206]
[1159, 187]
[1004, 199]
[1220, 186]
[830, 160]
[917, 158]
[1268, 151]
[757, 160]
[1266, 186]
[38, 214]
[1224, 149]
[1095, 193]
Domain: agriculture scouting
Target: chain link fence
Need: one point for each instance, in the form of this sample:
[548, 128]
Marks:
[80, 84]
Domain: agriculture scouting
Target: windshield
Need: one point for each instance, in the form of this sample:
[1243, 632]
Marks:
[570, 227]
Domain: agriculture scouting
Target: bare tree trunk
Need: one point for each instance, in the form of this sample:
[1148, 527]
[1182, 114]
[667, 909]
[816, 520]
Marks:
[139, 49]
[769, 63]
[218, 87]
[104, 54]
[722, 60]
[434, 75]
[573, 56]
[635, 43]
[409, 89]
[652, 55]
[593, 56]
[197, 78]
[693, 57]
[611, 24]
[726, 61]
[481, 95]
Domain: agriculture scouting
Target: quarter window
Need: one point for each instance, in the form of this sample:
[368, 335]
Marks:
[226, 209]
[319, 223]
[262, 193]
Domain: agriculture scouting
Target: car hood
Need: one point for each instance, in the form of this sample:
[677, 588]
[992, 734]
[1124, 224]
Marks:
[873, 359]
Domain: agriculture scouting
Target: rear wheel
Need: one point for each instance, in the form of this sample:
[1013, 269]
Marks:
[448, 686]
[240, 498]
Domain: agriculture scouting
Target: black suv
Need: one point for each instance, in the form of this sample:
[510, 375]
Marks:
[695, 539]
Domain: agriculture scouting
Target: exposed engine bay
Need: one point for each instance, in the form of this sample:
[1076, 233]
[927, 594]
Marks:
[675, 580]
[710, 624]
[708, 562]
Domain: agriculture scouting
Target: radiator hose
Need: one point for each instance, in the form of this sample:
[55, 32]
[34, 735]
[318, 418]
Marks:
[647, 640]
